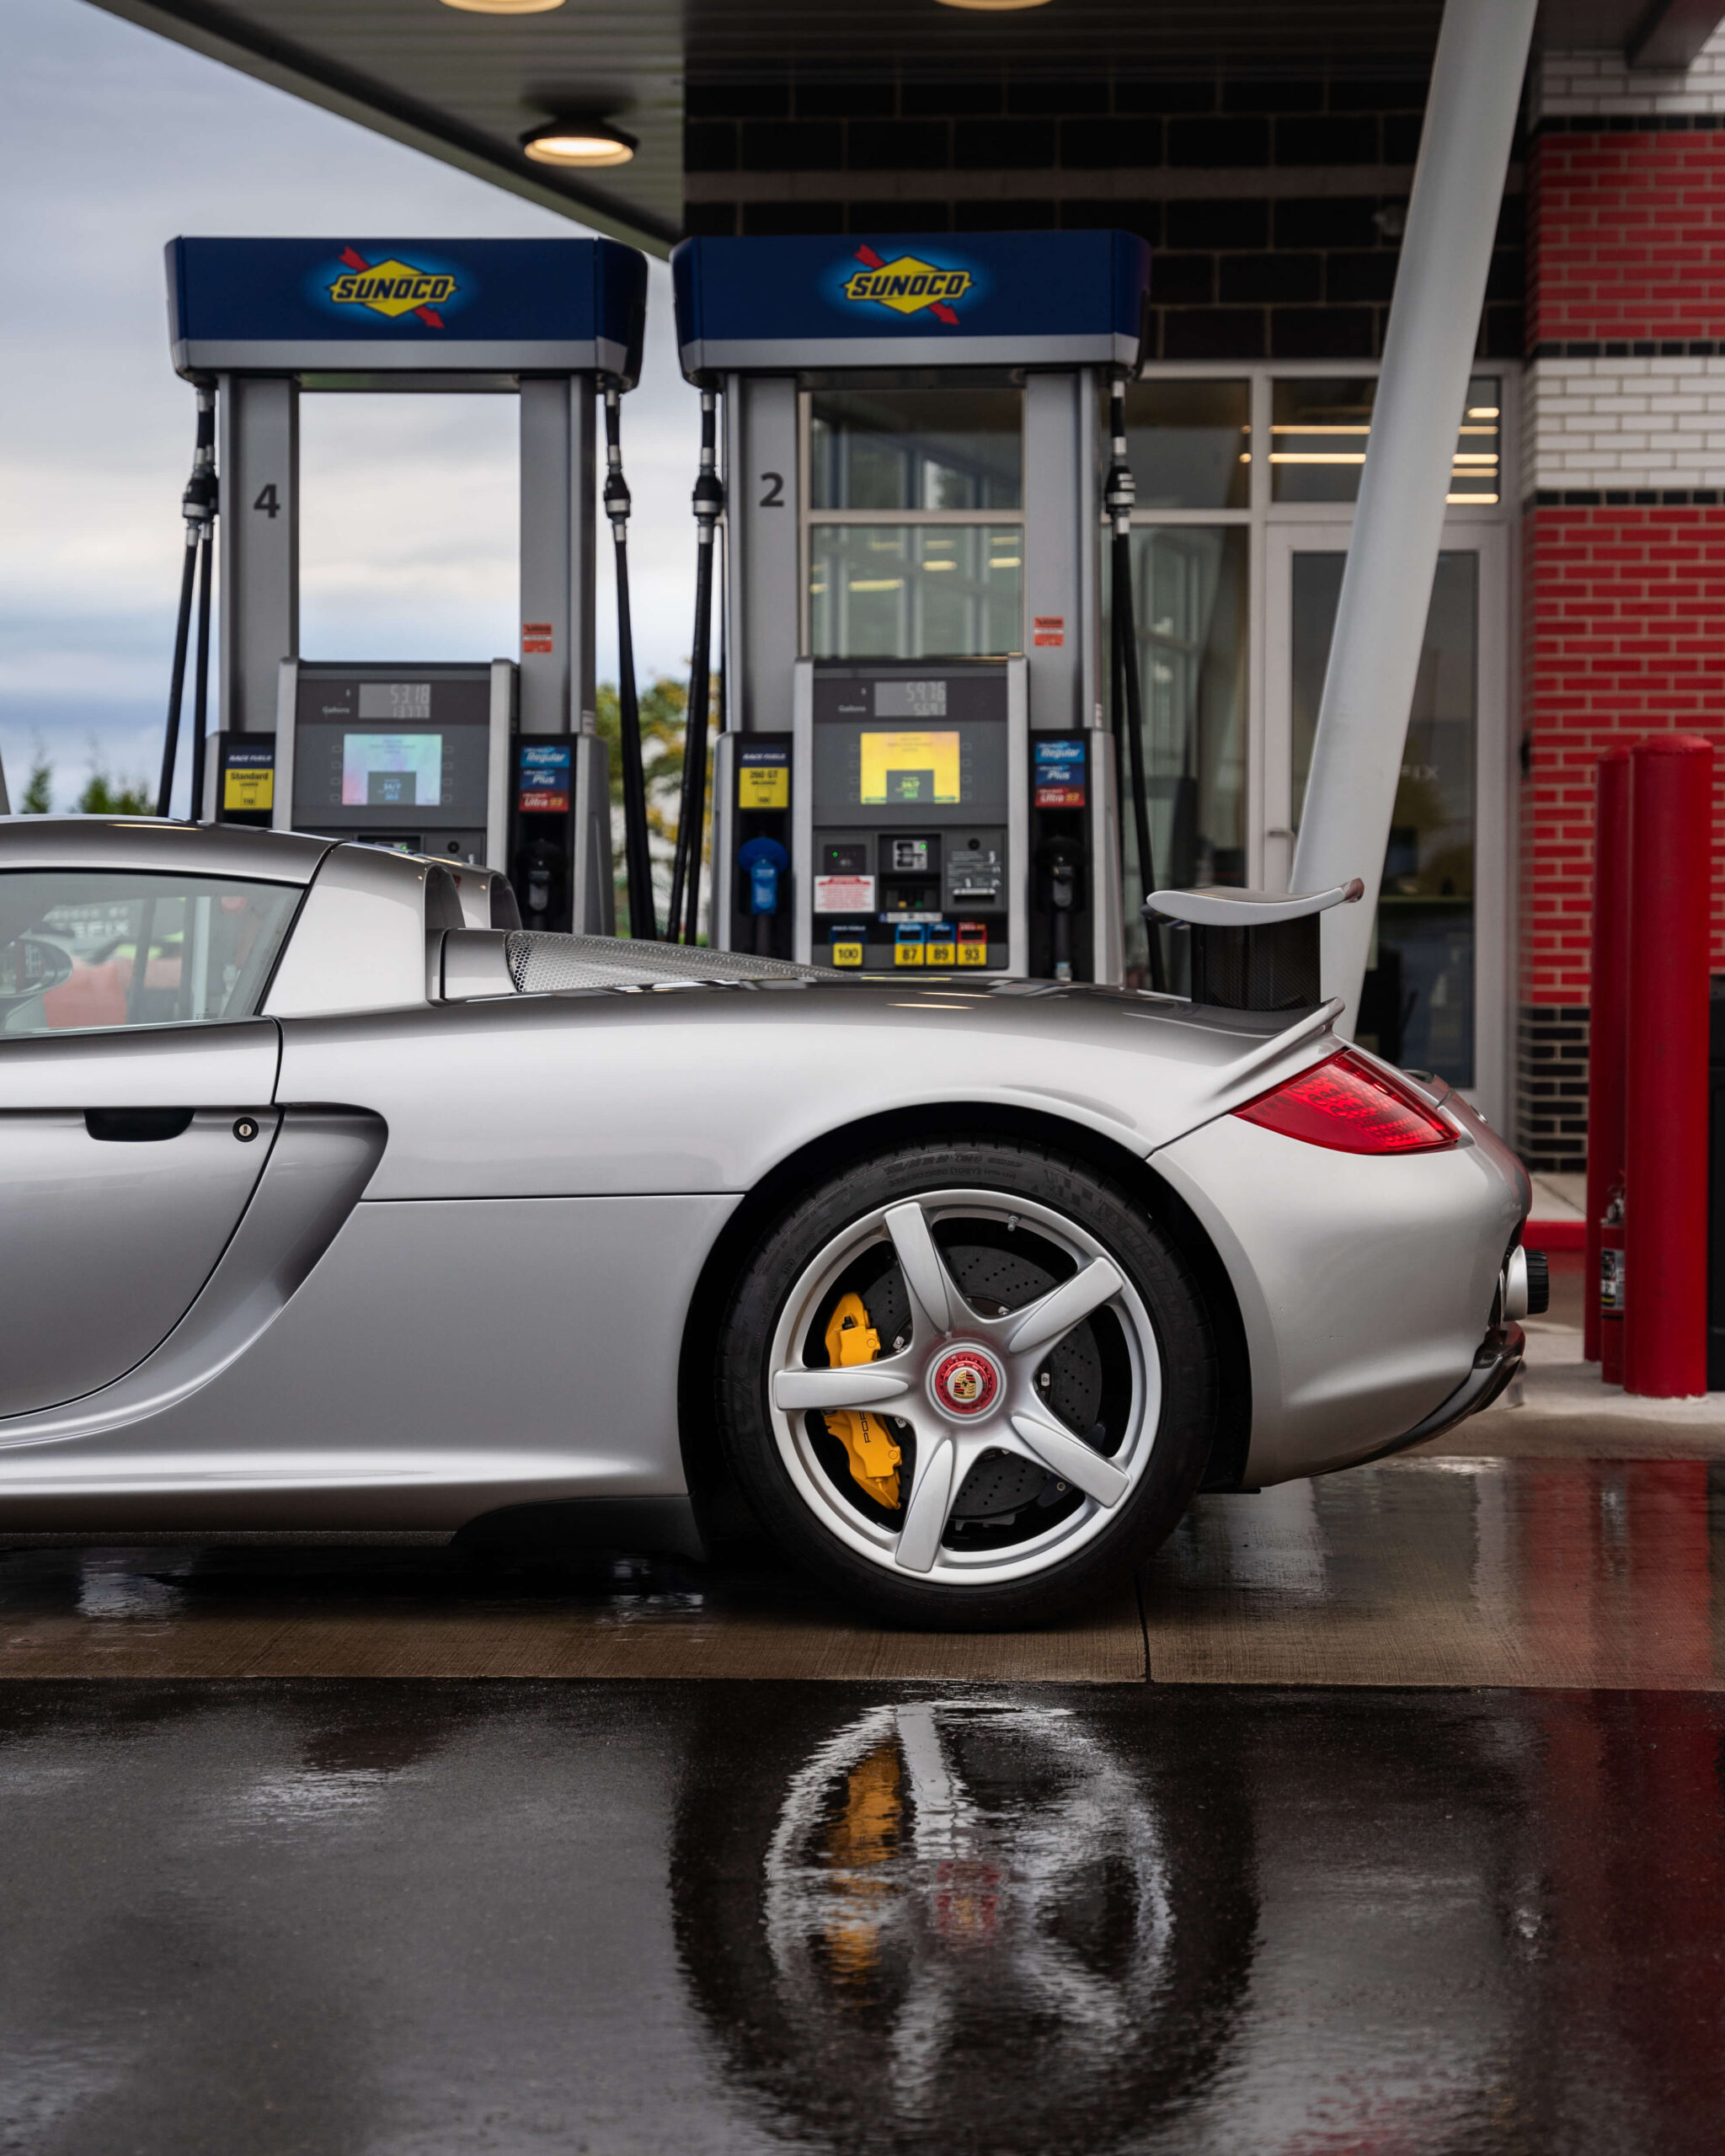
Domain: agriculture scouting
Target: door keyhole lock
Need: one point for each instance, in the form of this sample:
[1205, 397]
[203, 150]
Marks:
[245, 1130]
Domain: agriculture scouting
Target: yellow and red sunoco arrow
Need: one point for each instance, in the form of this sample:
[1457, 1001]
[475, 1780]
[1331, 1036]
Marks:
[392, 288]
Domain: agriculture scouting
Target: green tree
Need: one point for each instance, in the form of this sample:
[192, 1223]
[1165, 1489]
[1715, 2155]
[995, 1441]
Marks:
[664, 704]
[103, 795]
[39, 788]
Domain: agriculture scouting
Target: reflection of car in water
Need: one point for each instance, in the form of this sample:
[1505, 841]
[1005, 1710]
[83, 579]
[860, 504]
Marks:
[958, 1923]
[1202, 1921]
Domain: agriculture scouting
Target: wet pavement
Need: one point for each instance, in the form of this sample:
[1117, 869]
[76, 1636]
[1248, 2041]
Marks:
[282, 1916]
[1383, 1817]
[1554, 1572]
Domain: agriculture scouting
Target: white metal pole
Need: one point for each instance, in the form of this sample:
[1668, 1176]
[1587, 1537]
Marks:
[1428, 353]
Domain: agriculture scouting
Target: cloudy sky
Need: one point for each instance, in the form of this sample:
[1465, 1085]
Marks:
[112, 141]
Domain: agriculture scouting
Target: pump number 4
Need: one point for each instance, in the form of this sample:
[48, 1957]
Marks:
[268, 501]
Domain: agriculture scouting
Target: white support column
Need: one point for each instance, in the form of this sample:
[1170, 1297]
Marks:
[258, 543]
[1428, 353]
[557, 572]
[560, 433]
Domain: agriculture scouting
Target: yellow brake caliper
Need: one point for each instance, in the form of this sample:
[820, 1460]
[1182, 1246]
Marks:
[873, 1450]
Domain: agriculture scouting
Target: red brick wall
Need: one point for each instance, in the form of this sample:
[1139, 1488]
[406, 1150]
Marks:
[1624, 636]
[1627, 236]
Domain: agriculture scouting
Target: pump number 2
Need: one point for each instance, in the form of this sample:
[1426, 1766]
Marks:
[773, 496]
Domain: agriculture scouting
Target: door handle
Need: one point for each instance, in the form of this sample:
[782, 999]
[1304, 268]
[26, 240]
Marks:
[136, 1126]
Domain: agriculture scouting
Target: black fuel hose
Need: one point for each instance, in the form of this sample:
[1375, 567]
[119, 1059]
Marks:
[1129, 708]
[637, 855]
[201, 678]
[708, 500]
[198, 507]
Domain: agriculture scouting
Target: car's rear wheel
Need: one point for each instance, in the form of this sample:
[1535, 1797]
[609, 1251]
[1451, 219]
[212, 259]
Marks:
[966, 1384]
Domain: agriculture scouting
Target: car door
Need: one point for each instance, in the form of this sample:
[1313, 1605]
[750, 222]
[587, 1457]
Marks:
[135, 1112]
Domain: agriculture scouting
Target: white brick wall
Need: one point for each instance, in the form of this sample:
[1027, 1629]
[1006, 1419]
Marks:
[1603, 82]
[1623, 422]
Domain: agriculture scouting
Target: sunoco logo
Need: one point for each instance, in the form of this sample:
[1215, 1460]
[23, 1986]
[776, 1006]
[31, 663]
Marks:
[392, 288]
[907, 286]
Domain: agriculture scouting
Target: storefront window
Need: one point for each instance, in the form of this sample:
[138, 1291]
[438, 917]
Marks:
[1417, 1006]
[1189, 443]
[916, 591]
[1189, 593]
[915, 449]
[1322, 424]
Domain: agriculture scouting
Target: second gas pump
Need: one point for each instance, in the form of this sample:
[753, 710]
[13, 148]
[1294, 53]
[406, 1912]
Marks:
[916, 769]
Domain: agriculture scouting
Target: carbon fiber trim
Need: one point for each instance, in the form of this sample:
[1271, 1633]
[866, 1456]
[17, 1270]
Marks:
[541, 964]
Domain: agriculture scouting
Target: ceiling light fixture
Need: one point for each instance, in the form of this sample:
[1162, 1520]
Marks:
[503, 6]
[993, 7]
[582, 143]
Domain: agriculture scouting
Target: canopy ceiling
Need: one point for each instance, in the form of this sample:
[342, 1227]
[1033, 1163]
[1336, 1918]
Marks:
[465, 87]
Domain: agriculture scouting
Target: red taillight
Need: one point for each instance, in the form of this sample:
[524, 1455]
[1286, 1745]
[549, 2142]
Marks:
[1351, 1105]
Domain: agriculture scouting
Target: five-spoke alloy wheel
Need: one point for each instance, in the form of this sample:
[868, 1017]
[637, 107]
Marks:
[966, 1382]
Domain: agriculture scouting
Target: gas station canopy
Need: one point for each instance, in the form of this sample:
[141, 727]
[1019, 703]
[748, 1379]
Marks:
[466, 87]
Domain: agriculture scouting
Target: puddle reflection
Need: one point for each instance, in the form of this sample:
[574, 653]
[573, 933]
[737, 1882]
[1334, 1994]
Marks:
[1222, 1922]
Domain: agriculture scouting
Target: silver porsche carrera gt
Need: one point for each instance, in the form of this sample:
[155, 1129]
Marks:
[336, 1201]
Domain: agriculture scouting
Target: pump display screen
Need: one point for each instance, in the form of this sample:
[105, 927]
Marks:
[862, 775]
[374, 754]
[910, 767]
[901, 747]
[391, 771]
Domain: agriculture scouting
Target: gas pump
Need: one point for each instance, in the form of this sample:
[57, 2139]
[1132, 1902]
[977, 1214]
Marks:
[913, 525]
[496, 763]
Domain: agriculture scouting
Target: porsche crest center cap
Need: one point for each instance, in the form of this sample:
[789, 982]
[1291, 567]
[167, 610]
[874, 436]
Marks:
[966, 1382]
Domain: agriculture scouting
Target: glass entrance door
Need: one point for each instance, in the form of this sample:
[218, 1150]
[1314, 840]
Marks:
[1434, 991]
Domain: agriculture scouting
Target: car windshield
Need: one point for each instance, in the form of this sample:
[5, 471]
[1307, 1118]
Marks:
[82, 949]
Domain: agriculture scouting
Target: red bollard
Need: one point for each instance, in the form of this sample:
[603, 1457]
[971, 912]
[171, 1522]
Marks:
[1665, 1069]
[1607, 1021]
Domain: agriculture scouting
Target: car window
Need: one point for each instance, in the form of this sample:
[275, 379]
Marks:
[81, 949]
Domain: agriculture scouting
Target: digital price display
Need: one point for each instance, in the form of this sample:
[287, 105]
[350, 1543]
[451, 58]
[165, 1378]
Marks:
[906, 699]
[400, 701]
[923, 768]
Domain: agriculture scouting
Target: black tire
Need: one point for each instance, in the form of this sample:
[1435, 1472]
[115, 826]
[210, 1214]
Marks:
[1177, 1446]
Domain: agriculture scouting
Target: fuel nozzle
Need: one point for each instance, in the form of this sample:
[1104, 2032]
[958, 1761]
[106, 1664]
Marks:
[618, 501]
[764, 862]
[1060, 860]
[1120, 493]
[541, 870]
[198, 502]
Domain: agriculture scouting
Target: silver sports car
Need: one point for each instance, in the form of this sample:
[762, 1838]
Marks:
[335, 1201]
